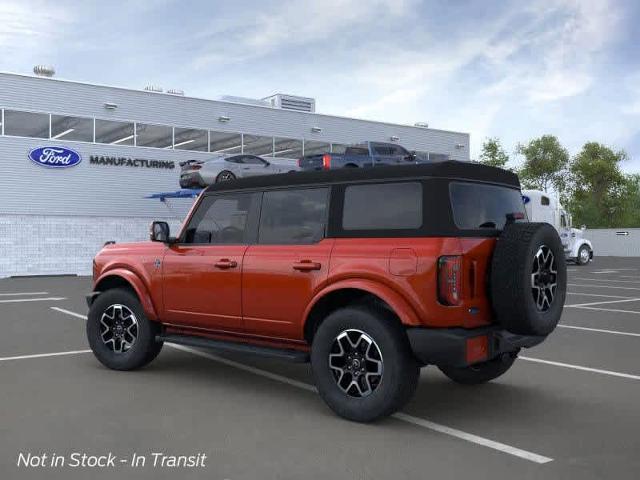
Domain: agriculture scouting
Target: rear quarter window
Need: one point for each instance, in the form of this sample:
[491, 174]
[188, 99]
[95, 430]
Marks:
[478, 206]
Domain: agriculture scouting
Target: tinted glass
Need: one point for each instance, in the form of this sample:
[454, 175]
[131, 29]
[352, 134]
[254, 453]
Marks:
[338, 148]
[190, 139]
[357, 151]
[544, 200]
[71, 128]
[158, 136]
[220, 219]
[225, 142]
[26, 124]
[251, 160]
[438, 157]
[312, 147]
[287, 148]
[257, 145]
[114, 133]
[293, 216]
[477, 206]
[398, 206]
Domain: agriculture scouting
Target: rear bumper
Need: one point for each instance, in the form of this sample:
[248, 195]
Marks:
[459, 347]
[190, 179]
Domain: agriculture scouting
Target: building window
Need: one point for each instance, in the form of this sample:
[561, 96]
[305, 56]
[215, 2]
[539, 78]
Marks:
[157, 136]
[438, 157]
[312, 147]
[338, 148]
[114, 133]
[26, 124]
[287, 148]
[225, 143]
[257, 145]
[190, 139]
[71, 128]
[544, 201]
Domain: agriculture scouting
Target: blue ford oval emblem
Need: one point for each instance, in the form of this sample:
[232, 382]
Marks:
[525, 199]
[55, 157]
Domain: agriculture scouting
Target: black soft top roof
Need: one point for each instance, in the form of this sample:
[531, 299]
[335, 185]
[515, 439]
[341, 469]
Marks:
[450, 169]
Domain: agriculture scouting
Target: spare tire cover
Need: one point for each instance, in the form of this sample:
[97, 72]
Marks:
[528, 279]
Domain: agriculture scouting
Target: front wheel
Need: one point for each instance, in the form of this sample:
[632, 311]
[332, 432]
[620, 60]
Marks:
[584, 255]
[119, 334]
[362, 364]
[480, 372]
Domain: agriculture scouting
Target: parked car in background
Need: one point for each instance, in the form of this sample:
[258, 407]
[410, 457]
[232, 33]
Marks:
[367, 154]
[541, 207]
[201, 173]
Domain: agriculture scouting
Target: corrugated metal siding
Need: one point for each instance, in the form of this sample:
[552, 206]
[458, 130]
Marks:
[612, 242]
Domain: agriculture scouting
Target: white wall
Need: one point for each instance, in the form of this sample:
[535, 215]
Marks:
[611, 242]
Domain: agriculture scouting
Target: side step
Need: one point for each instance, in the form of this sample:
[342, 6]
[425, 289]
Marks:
[279, 353]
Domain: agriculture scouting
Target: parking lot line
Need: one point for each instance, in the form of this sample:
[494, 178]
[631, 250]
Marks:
[69, 312]
[603, 302]
[596, 295]
[600, 330]
[616, 310]
[7, 294]
[580, 367]
[43, 355]
[602, 286]
[20, 300]
[606, 280]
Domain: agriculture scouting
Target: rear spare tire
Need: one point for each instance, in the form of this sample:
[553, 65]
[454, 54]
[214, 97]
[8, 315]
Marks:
[528, 278]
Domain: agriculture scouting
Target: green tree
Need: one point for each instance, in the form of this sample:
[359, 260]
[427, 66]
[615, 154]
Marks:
[493, 154]
[601, 194]
[545, 164]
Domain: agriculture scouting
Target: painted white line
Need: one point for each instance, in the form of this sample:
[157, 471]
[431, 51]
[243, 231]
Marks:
[616, 310]
[605, 279]
[69, 312]
[596, 295]
[600, 330]
[6, 294]
[580, 367]
[603, 286]
[44, 355]
[469, 437]
[603, 302]
[20, 300]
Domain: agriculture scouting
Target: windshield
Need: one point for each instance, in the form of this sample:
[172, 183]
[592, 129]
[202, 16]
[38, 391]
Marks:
[479, 206]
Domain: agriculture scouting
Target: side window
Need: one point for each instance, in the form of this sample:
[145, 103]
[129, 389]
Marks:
[251, 160]
[398, 150]
[293, 216]
[398, 206]
[236, 159]
[221, 219]
[544, 200]
[381, 150]
[563, 220]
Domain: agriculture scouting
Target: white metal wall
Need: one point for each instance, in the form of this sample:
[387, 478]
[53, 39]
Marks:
[615, 242]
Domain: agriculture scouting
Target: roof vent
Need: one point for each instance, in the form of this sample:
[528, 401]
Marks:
[292, 102]
[153, 88]
[44, 70]
[175, 91]
[245, 100]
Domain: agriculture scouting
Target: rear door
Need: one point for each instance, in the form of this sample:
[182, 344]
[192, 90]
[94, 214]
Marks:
[285, 268]
[202, 272]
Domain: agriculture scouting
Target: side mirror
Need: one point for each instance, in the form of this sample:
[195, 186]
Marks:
[266, 164]
[159, 232]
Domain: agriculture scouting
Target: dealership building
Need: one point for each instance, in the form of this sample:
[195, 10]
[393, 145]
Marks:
[78, 160]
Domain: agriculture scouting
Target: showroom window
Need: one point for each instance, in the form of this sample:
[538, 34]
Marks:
[225, 142]
[114, 133]
[287, 148]
[26, 124]
[313, 147]
[71, 128]
[293, 216]
[157, 136]
[190, 139]
[257, 145]
[398, 206]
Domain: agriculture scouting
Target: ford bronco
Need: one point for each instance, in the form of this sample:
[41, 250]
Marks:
[369, 274]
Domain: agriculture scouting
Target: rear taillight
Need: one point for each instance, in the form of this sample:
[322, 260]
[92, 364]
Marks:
[326, 161]
[449, 279]
[195, 167]
[477, 349]
[299, 162]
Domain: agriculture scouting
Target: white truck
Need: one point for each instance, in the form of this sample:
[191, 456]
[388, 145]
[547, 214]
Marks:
[542, 207]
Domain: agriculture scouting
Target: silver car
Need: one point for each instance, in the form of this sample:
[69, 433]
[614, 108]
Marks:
[201, 173]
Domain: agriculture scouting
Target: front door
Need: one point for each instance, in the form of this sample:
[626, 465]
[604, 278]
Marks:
[252, 166]
[290, 261]
[202, 273]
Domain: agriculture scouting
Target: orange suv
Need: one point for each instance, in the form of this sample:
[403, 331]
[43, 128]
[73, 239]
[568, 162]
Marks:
[369, 274]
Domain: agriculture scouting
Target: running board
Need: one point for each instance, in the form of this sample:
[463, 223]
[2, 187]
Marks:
[290, 355]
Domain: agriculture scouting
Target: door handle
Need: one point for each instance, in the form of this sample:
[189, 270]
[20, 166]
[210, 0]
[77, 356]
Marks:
[225, 263]
[306, 265]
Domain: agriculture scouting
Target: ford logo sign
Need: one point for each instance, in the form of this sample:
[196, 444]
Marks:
[55, 157]
[525, 199]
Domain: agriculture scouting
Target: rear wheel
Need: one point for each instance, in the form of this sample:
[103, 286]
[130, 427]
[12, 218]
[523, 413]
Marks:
[362, 364]
[225, 176]
[480, 372]
[119, 333]
[584, 255]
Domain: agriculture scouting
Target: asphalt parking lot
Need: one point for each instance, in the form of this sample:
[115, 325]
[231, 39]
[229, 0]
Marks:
[569, 408]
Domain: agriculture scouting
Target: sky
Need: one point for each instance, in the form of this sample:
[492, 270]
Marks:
[508, 69]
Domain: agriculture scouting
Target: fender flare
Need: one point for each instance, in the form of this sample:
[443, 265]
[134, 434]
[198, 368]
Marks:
[138, 286]
[397, 302]
[579, 244]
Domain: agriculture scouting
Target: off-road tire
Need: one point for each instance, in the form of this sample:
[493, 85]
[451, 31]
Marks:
[480, 372]
[579, 260]
[400, 371]
[144, 349]
[512, 293]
